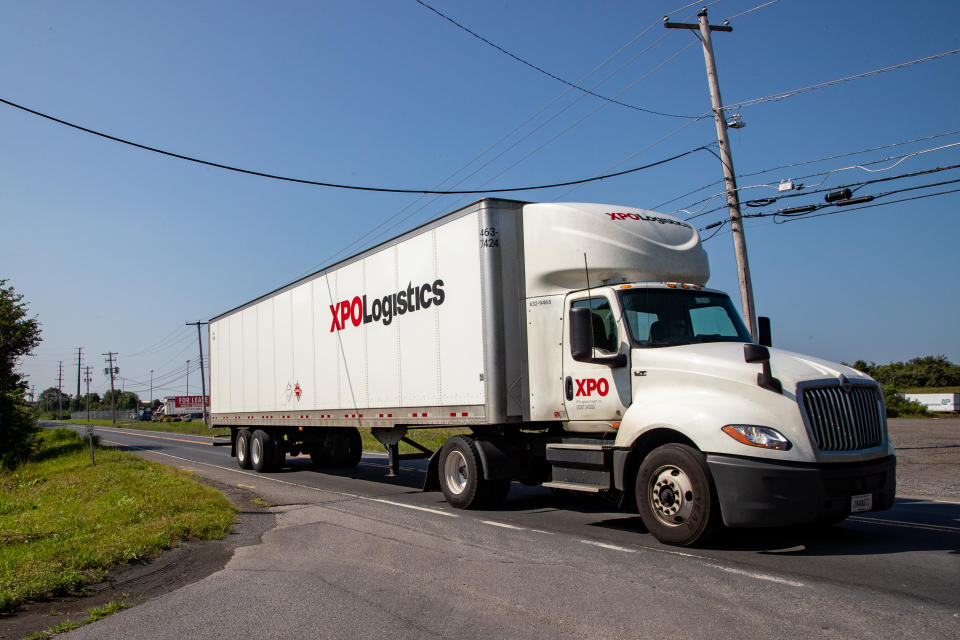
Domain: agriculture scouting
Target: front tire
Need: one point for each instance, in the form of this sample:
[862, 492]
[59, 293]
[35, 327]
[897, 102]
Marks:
[461, 476]
[676, 497]
[243, 448]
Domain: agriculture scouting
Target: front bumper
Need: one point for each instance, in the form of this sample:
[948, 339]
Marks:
[759, 493]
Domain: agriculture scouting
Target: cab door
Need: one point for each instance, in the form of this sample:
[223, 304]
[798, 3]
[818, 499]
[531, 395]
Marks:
[597, 390]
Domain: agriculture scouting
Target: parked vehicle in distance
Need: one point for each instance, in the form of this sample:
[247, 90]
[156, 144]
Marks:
[581, 346]
[144, 415]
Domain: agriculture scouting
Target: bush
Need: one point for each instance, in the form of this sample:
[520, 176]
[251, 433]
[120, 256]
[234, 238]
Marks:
[18, 432]
[900, 407]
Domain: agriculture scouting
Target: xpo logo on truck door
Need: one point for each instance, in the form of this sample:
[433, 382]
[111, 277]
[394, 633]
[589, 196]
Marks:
[588, 386]
[413, 298]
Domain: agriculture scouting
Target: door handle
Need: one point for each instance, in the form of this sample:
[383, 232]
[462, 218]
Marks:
[568, 388]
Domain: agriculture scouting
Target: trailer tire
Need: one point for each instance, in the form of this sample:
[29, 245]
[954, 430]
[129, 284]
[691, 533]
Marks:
[279, 453]
[243, 448]
[349, 448]
[676, 497]
[262, 453]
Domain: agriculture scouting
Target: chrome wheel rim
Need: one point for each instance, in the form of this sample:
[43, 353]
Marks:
[671, 495]
[256, 451]
[455, 472]
[242, 445]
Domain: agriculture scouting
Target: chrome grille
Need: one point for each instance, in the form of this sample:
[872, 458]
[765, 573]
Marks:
[845, 420]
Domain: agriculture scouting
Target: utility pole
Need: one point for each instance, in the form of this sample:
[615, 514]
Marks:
[151, 389]
[726, 159]
[87, 378]
[113, 394]
[203, 381]
[60, 393]
[188, 377]
[79, 361]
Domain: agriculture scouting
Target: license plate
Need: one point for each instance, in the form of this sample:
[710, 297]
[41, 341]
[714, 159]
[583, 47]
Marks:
[863, 502]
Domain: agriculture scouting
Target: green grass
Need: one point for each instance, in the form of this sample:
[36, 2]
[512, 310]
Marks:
[933, 390]
[68, 625]
[432, 439]
[195, 428]
[65, 523]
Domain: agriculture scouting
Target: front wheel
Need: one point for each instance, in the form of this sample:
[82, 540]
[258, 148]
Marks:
[461, 476]
[675, 496]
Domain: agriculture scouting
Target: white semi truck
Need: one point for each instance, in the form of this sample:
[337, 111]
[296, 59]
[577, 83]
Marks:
[580, 346]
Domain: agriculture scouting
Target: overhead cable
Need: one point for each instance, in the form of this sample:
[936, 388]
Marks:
[786, 94]
[802, 163]
[331, 184]
[555, 77]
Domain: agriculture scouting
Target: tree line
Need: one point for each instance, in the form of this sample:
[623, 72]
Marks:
[52, 399]
[918, 373]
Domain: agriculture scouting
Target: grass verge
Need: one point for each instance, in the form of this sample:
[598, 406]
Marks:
[95, 614]
[64, 523]
[195, 428]
[432, 439]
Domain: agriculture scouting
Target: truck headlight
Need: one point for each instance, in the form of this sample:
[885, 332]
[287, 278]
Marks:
[754, 436]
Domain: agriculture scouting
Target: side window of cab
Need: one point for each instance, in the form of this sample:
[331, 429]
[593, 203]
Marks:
[605, 336]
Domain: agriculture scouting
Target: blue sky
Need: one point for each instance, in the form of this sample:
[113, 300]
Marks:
[116, 248]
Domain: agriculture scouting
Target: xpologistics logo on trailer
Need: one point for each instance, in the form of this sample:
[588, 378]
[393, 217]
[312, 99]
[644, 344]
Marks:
[385, 309]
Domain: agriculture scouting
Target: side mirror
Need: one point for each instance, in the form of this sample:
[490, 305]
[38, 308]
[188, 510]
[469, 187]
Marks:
[756, 353]
[763, 328]
[581, 341]
[759, 353]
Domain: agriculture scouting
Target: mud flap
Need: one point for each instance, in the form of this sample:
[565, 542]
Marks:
[432, 481]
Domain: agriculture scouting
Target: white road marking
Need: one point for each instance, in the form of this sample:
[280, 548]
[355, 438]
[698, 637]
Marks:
[756, 576]
[293, 484]
[411, 506]
[503, 525]
[608, 546]
[908, 525]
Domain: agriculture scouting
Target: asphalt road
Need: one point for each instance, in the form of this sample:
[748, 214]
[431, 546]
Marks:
[357, 555]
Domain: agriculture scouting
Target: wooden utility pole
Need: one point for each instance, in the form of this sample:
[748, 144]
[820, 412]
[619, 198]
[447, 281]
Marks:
[60, 393]
[726, 159]
[203, 381]
[113, 393]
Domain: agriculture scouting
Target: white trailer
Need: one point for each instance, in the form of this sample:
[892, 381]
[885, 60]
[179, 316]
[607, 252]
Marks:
[936, 402]
[580, 345]
[180, 405]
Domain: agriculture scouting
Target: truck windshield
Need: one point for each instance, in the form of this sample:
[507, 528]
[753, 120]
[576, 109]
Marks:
[668, 317]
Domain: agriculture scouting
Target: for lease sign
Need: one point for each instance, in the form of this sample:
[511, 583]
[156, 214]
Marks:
[189, 402]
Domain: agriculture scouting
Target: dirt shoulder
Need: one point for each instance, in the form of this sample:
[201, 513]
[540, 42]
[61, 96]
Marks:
[928, 457]
[136, 583]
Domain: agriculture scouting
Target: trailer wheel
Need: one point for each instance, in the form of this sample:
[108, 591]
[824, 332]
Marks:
[262, 454]
[279, 453]
[675, 496]
[349, 447]
[243, 448]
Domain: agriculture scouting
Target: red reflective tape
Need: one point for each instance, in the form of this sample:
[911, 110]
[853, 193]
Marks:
[389, 415]
[464, 414]
[453, 415]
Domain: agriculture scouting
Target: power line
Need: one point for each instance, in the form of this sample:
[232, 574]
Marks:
[555, 77]
[809, 212]
[333, 185]
[806, 188]
[803, 163]
[786, 94]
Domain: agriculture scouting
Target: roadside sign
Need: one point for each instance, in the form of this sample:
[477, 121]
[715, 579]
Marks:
[89, 429]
